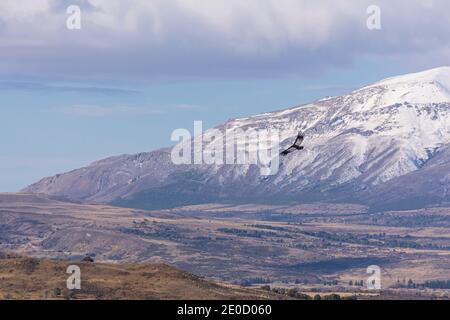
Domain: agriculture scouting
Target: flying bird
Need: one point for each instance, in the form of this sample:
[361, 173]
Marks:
[296, 146]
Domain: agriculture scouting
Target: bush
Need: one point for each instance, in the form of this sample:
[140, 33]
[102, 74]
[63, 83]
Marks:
[88, 259]
[57, 292]
[332, 297]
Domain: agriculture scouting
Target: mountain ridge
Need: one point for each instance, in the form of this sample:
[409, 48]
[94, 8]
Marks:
[356, 143]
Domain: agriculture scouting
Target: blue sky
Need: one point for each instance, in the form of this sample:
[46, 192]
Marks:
[139, 69]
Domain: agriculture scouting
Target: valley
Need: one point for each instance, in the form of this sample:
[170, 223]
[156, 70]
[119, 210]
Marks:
[313, 247]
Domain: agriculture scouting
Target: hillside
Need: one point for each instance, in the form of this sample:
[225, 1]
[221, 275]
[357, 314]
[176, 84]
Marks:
[30, 278]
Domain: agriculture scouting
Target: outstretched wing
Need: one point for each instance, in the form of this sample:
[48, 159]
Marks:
[296, 146]
[299, 139]
[287, 151]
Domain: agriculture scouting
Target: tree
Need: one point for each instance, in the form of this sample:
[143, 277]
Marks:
[292, 293]
[332, 297]
[88, 259]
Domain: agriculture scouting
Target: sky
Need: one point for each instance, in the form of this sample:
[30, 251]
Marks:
[136, 70]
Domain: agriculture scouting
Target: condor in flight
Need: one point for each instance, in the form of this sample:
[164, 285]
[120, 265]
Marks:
[296, 146]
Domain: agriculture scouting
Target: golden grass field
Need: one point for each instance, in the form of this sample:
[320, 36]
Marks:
[31, 278]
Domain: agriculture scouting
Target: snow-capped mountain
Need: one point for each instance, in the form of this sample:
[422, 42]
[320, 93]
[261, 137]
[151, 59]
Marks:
[387, 142]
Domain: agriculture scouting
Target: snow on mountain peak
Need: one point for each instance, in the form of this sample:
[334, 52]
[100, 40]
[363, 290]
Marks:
[441, 75]
[430, 86]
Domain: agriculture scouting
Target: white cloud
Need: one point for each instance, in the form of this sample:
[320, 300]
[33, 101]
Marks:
[21, 11]
[96, 111]
[188, 38]
[8, 162]
[101, 111]
[185, 106]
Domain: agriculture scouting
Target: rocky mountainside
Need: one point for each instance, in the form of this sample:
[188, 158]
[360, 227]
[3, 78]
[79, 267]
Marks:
[386, 145]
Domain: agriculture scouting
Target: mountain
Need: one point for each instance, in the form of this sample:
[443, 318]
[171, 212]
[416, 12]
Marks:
[386, 145]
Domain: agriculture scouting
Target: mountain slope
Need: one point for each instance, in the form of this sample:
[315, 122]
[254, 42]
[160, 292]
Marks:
[358, 146]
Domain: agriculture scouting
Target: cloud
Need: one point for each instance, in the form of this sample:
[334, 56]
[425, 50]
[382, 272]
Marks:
[96, 111]
[102, 111]
[8, 162]
[36, 86]
[159, 39]
[185, 106]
